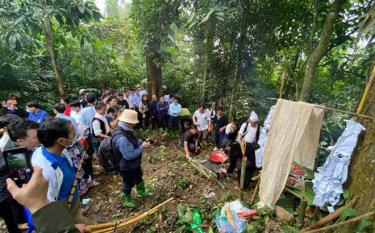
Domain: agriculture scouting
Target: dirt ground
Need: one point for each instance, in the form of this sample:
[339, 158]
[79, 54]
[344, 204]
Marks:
[168, 174]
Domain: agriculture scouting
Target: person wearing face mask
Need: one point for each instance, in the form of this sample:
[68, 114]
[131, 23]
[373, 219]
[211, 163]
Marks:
[127, 147]
[56, 135]
[35, 113]
[17, 133]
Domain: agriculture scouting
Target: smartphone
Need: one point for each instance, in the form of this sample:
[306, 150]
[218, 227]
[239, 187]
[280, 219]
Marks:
[150, 140]
[18, 162]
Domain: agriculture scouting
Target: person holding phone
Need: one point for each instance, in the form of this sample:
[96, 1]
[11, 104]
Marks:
[18, 133]
[48, 216]
[129, 149]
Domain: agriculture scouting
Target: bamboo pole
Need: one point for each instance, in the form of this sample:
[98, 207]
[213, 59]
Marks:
[243, 168]
[109, 224]
[302, 207]
[338, 110]
[330, 217]
[366, 92]
[255, 190]
[75, 184]
[205, 172]
[356, 219]
[282, 84]
[346, 112]
[109, 227]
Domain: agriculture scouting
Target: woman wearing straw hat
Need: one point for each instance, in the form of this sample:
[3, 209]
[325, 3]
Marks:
[130, 149]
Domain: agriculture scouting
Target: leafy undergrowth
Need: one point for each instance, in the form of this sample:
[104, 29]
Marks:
[168, 175]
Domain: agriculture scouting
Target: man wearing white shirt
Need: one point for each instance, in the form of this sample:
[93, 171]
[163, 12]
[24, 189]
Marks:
[249, 131]
[128, 97]
[76, 111]
[202, 119]
[142, 91]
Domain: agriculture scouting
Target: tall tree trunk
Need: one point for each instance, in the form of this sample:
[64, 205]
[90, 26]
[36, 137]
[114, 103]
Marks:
[320, 50]
[51, 47]
[314, 27]
[362, 170]
[154, 77]
[237, 74]
[205, 74]
[233, 97]
[208, 47]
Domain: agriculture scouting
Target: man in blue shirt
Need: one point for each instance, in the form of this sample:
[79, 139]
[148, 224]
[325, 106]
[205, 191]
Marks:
[136, 99]
[35, 113]
[88, 113]
[130, 149]
[59, 110]
[174, 113]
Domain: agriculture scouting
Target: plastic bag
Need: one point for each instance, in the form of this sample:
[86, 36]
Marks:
[238, 224]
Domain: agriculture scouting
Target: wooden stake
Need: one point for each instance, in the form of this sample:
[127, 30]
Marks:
[243, 168]
[282, 85]
[255, 191]
[302, 206]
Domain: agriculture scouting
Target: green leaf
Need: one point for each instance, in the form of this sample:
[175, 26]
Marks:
[208, 15]
[19, 19]
[12, 41]
[348, 212]
[81, 8]
[346, 194]
[363, 226]
[285, 228]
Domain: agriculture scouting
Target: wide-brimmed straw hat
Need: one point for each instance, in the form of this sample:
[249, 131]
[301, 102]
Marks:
[129, 116]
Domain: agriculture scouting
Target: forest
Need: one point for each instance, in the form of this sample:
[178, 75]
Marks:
[238, 55]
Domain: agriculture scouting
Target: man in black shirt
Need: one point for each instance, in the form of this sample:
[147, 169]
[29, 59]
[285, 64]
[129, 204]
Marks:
[154, 112]
[219, 122]
[190, 141]
[122, 101]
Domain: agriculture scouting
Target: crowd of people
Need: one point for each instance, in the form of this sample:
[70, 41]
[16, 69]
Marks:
[62, 143]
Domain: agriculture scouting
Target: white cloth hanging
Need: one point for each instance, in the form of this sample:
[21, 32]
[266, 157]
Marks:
[263, 139]
[329, 179]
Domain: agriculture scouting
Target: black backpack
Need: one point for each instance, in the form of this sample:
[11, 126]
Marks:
[108, 158]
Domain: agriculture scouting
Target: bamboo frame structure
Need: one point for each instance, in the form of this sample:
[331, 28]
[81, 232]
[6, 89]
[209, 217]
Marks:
[338, 110]
[125, 223]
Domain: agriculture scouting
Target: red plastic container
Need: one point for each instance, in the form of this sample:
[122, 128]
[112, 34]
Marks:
[217, 156]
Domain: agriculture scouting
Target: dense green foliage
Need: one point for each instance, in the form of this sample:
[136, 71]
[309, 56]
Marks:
[217, 52]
